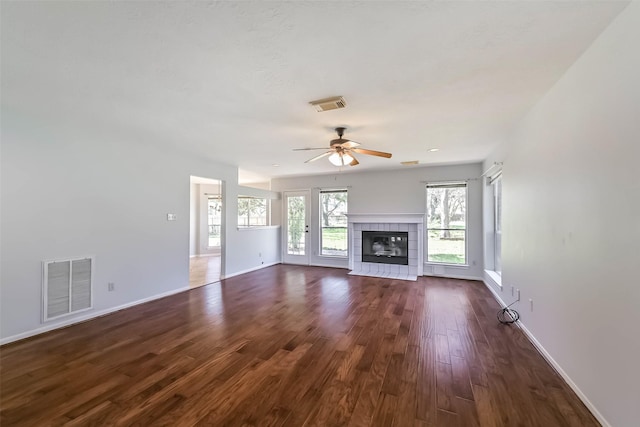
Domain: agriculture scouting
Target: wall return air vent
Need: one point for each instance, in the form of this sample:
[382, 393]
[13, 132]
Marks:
[327, 104]
[67, 287]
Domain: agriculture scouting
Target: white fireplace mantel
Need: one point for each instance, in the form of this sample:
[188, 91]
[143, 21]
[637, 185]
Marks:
[396, 218]
[413, 223]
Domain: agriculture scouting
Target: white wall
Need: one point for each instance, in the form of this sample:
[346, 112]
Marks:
[260, 245]
[69, 191]
[394, 191]
[258, 249]
[571, 235]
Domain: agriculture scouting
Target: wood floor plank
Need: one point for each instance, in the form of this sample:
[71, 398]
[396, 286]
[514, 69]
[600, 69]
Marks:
[426, 383]
[461, 385]
[406, 406]
[385, 411]
[291, 346]
[467, 412]
[443, 353]
[444, 387]
[447, 419]
[486, 407]
[368, 400]
[393, 375]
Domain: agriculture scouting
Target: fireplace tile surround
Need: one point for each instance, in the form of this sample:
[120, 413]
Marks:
[412, 223]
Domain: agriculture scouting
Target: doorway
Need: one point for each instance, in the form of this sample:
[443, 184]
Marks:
[206, 236]
[296, 229]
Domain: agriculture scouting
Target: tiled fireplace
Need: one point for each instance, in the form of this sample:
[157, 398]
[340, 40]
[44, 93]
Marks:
[411, 223]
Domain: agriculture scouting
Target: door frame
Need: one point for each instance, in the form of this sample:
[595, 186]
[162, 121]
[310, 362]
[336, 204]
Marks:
[200, 220]
[290, 258]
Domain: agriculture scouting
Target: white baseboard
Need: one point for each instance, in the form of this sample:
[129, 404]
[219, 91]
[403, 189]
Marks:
[249, 270]
[555, 364]
[564, 375]
[454, 276]
[88, 316]
[329, 266]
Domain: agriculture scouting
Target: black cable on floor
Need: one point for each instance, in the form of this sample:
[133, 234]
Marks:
[507, 315]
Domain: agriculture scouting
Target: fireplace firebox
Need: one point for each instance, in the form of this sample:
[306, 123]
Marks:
[385, 247]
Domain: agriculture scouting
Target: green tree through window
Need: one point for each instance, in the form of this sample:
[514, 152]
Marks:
[295, 227]
[333, 223]
[252, 212]
[447, 223]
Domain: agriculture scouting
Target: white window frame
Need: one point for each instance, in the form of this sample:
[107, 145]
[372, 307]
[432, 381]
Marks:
[496, 185]
[453, 184]
[320, 227]
[267, 215]
[219, 198]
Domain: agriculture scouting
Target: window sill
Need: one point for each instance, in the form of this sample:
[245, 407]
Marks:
[497, 278]
[261, 227]
[445, 264]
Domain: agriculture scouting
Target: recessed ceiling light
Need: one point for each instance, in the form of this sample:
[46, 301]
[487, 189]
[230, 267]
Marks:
[275, 165]
[433, 149]
[409, 163]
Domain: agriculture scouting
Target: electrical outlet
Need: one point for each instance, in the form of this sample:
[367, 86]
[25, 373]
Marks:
[111, 286]
[531, 303]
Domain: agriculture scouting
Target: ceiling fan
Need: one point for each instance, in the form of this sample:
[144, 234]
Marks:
[341, 151]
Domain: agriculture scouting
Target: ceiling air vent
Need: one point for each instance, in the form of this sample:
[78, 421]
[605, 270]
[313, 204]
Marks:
[327, 104]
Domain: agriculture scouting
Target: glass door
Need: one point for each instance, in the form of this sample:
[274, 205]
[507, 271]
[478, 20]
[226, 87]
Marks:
[296, 230]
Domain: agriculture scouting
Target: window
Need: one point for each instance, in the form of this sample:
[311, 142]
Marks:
[333, 223]
[447, 223]
[297, 224]
[214, 220]
[252, 212]
[497, 223]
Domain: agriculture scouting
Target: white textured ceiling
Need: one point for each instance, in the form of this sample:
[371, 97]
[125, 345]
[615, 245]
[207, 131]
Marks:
[231, 80]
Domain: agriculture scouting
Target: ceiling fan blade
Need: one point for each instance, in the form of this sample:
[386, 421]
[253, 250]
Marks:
[372, 152]
[349, 144]
[354, 162]
[320, 156]
[307, 149]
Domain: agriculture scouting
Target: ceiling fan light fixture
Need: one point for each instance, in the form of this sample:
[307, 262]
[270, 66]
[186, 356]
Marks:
[340, 159]
[340, 149]
[335, 159]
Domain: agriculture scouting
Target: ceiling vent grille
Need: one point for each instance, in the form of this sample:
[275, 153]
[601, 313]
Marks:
[327, 104]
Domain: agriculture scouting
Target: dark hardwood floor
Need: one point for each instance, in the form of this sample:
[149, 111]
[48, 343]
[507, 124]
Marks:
[291, 346]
